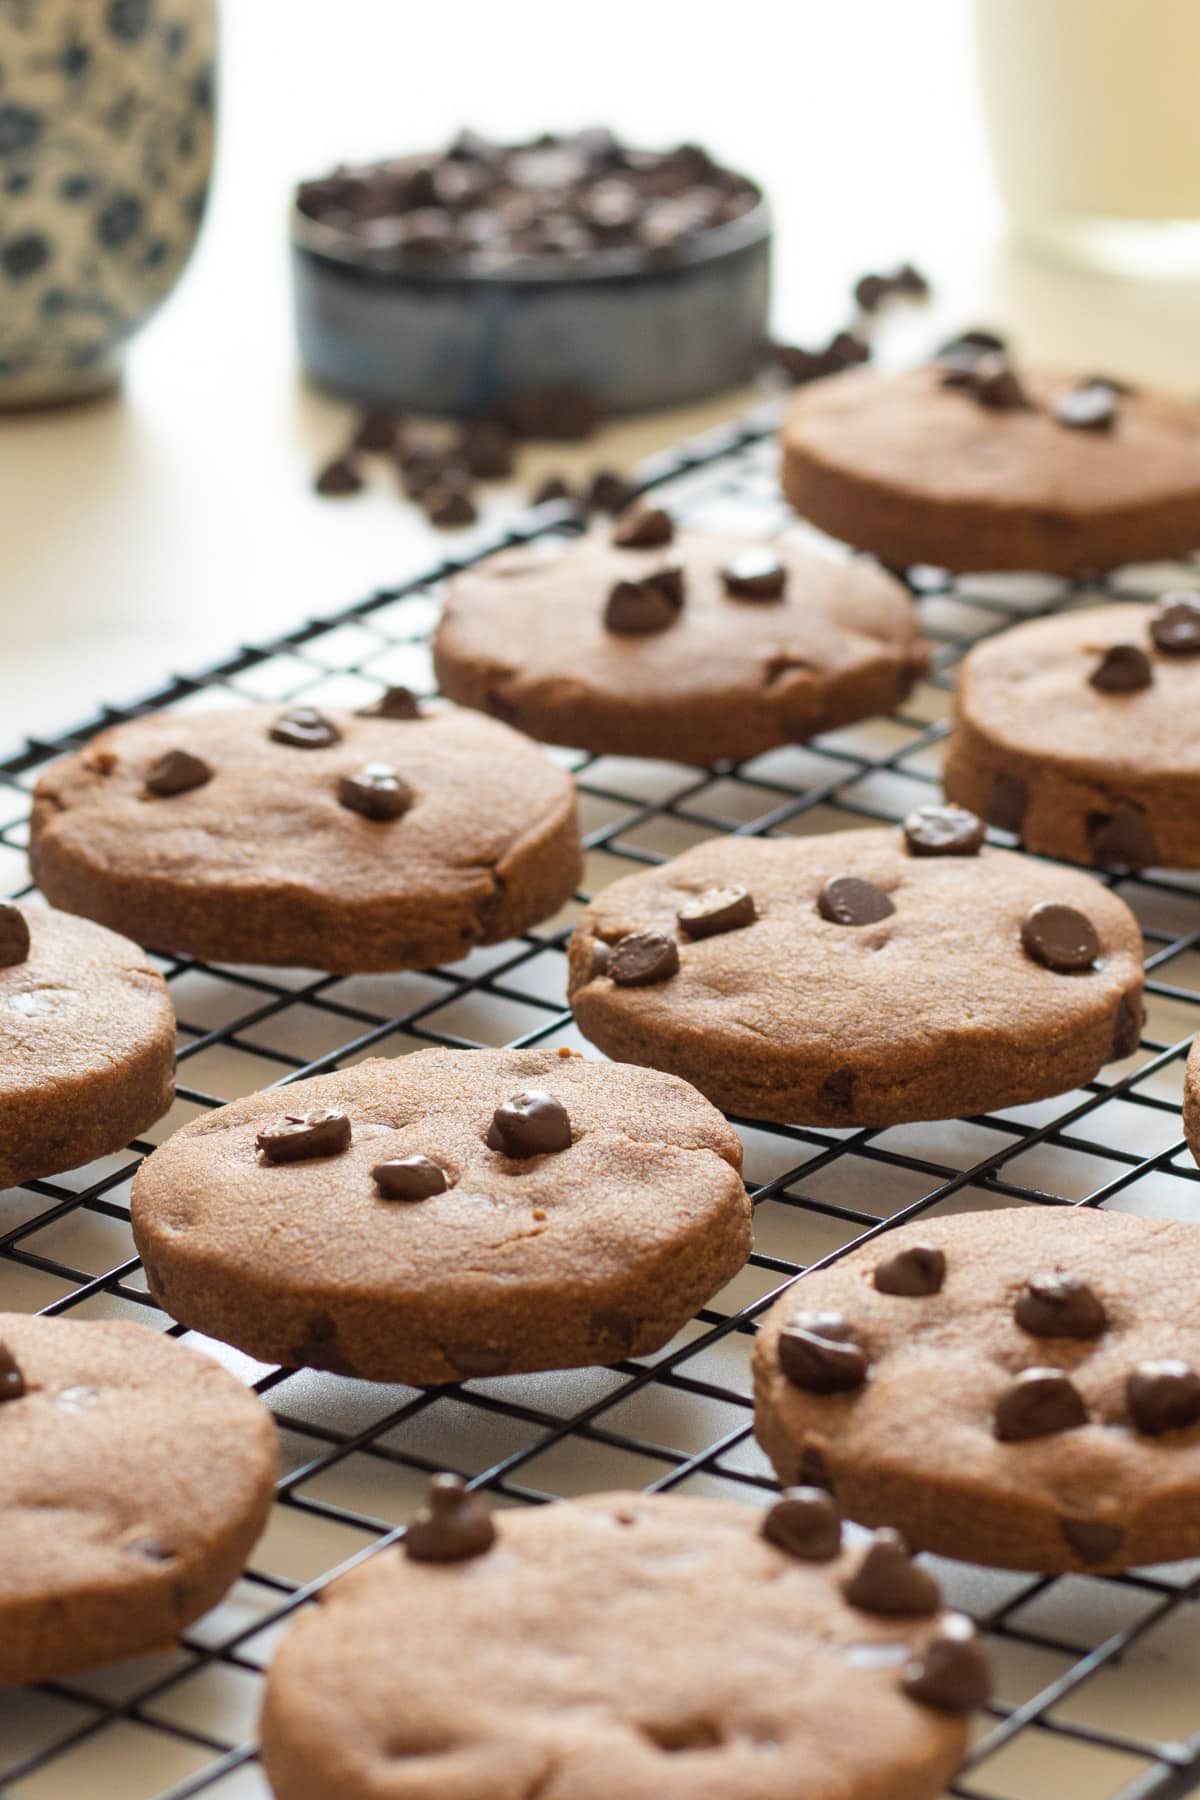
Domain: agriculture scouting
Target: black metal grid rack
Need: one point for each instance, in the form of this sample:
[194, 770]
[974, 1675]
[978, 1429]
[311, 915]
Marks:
[1096, 1690]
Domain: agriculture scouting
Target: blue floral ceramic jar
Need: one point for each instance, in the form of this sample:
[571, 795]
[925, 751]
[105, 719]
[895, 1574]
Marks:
[106, 132]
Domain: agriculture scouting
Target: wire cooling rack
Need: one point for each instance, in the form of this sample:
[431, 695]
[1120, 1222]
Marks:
[1096, 1689]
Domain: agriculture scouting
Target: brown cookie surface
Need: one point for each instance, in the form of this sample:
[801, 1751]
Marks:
[87, 1045]
[1038, 1407]
[1081, 735]
[135, 1475]
[576, 1212]
[625, 1644]
[336, 841]
[1191, 1100]
[921, 472]
[874, 984]
[764, 644]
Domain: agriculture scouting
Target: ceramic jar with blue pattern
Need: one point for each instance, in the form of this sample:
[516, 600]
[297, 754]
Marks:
[106, 135]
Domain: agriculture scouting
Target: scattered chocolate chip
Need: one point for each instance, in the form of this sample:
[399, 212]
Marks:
[1127, 1027]
[12, 1382]
[800, 366]
[1092, 406]
[304, 728]
[720, 909]
[637, 608]
[1060, 1305]
[643, 527]
[820, 1353]
[1175, 624]
[1091, 1539]
[1123, 669]
[448, 505]
[298, 1136]
[393, 703]
[870, 291]
[806, 1523]
[177, 772]
[530, 1124]
[552, 488]
[952, 1673]
[755, 573]
[847, 349]
[847, 900]
[1008, 803]
[884, 1579]
[375, 431]
[913, 1272]
[452, 1526]
[1039, 1403]
[943, 831]
[1120, 839]
[14, 935]
[1163, 1396]
[995, 383]
[909, 280]
[375, 791]
[965, 350]
[599, 959]
[1059, 937]
[485, 450]
[563, 413]
[642, 959]
[608, 492]
[339, 478]
[409, 1178]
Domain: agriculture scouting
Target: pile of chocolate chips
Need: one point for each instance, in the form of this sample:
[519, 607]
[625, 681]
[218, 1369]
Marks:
[565, 198]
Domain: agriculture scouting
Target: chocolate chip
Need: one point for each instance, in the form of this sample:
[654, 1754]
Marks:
[913, 1272]
[12, 1382]
[1060, 1305]
[530, 1124]
[1121, 839]
[1008, 803]
[720, 909]
[1092, 406]
[643, 958]
[943, 831]
[965, 350]
[304, 728]
[952, 1673]
[14, 935]
[177, 772]
[847, 900]
[668, 579]
[447, 505]
[636, 608]
[820, 1353]
[847, 349]
[995, 384]
[909, 280]
[452, 1526]
[375, 431]
[884, 1579]
[1127, 1027]
[608, 492]
[755, 573]
[393, 703]
[1123, 669]
[339, 478]
[1091, 1539]
[552, 488]
[485, 449]
[1175, 624]
[1039, 1403]
[599, 959]
[800, 365]
[806, 1523]
[375, 791]
[409, 1178]
[870, 291]
[1163, 1396]
[838, 1087]
[1059, 937]
[297, 1136]
[643, 527]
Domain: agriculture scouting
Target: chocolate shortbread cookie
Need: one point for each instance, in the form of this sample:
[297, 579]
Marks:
[922, 469]
[1019, 1387]
[135, 1475]
[447, 1214]
[863, 978]
[647, 1647]
[1081, 734]
[286, 835]
[1191, 1100]
[87, 1042]
[693, 647]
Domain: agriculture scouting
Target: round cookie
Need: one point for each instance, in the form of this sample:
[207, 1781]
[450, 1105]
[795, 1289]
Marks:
[1191, 1100]
[87, 1042]
[135, 1475]
[475, 1213]
[784, 645]
[922, 472]
[851, 980]
[337, 841]
[906, 1377]
[650, 1647]
[1081, 735]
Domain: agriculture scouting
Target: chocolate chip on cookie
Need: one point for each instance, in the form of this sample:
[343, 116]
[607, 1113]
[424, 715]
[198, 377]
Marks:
[848, 900]
[643, 527]
[14, 935]
[952, 1672]
[394, 703]
[883, 1578]
[1060, 1305]
[1163, 1396]
[530, 1124]
[1039, 1403]
[409, 1178]
[1060, 937]
[917, 1270]
[642, 958]
[452, 1526]
[806, 1523]
[943, 831]
[819, 1352]
[297, 1136]
[994, 383]
[304, 728]
[1092, 1540]
[1122, 669]
[636, 608]
[376, 791]
[1175, 624]
[965, 350]
[720, 909]
[177, 772]
[12, 1382]
[754, 573]
[1091, 406]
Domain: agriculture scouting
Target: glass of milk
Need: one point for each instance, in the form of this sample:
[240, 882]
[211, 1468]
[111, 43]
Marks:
[1093, 111]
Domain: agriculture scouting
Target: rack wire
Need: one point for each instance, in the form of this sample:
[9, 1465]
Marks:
[1097, 1698]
